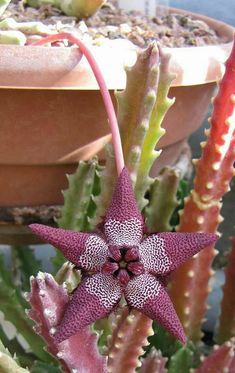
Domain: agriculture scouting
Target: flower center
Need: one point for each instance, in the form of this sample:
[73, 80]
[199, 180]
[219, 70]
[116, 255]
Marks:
[123, 263]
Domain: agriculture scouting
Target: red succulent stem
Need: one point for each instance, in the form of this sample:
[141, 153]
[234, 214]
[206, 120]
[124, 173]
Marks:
[214, 171]
[112, 118]
[154, 363]
[194, 275]
[227, 317]
[128, 337]
[48, 301]
[222, 359]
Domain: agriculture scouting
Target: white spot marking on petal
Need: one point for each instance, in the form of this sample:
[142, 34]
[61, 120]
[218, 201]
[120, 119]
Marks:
[128, 232]
[95, 253]
[47, 312]
[105, 288]
[141, 289]
[52, 331]
[153, 255]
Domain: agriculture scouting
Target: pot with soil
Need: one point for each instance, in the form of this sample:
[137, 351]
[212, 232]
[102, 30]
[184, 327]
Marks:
[51, 110]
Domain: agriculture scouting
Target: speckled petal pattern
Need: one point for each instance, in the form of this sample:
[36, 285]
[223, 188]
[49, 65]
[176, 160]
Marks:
[94, 299]
[146, 294]
[95, 253]
[123, 215]
[153, 255]
[179, 247]
[88, 251]
[123, 233]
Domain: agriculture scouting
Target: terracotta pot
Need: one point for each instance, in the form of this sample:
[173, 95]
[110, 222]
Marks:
[51, 113]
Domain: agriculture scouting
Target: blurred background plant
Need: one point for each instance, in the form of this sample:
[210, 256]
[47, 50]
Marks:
[76, 8]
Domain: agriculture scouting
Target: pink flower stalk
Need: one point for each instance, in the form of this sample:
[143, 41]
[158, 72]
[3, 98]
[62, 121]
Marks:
[116, 138]
[121, 259]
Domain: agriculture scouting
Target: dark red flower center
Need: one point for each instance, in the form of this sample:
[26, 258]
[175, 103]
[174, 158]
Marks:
[123, 263]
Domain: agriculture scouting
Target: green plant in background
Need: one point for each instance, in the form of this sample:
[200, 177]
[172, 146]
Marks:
[12, 32]
[3, 5]
[75, 8]
[127, 341]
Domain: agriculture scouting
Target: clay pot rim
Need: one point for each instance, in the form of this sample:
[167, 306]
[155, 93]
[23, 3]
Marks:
[192, 65]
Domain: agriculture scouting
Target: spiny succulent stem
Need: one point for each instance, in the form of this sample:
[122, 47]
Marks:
[48, 301]
[222, 359]
[112, 119]
[129, 335]
[154, 363]
[214, 171]
[227, 317]
[162, 200]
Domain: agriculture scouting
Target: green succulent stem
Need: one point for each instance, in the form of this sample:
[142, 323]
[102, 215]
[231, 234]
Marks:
[155, 131]
[181, 361]
[107, 177]
[39, 28]
[75, 8]
[3, 5]
[162, 200]
[12, 37]
[24, 264]
[135, 105]
[8, 364]
[13, 306]
[78, 202]
[78, 196]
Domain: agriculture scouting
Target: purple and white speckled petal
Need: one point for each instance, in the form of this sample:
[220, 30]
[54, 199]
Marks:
[146, 294]
[180, 247]
[94, 299]
[153, 255]
[95, 253]
[86, 250]
[123, 216]
[70, 243]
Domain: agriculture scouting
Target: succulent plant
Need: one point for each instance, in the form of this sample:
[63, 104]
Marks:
[128, 340]
[3, 5]
[76, 8]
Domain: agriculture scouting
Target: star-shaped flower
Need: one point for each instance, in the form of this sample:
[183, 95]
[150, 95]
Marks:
[121, 259]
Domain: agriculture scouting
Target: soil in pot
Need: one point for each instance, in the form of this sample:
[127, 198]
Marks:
[171, 30]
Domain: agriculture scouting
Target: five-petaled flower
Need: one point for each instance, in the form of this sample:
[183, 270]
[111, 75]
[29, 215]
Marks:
[121, 259]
